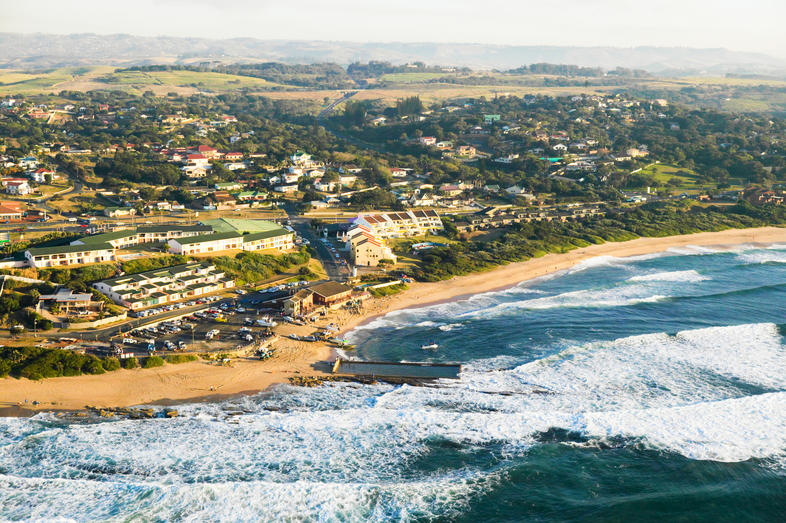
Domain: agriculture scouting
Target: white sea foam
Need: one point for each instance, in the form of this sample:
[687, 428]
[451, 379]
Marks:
[343, 451]
[689, 276]
[762, 256]
[612, 297]
[692, 250]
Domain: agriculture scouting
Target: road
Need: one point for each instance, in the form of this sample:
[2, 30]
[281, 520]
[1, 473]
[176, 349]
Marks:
[329, 109]
[302, 225]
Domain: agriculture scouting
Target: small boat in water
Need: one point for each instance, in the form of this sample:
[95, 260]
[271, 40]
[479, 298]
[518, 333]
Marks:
[430, 346]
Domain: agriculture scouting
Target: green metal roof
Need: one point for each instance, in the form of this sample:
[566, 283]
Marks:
[207, 237]
[62, 249]
[241, 225]
[264, 235]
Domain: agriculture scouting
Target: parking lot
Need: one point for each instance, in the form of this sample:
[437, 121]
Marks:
[223, 325]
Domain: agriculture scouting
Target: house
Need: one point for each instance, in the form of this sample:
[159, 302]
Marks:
[347, 180]
[19, 188]
[38, 257]
[444, 145]
[398, 173]
[515, 190]
[228, 186]
[560, 147]
[198, 160]
[449, 189]
[319, 185]
[302, 159]
[233, 157]
[379, 121]
[466, 150]
[299, 303]
[67, 301]
[427, 140]
[207, 152]
[119, 212]
[194, 171]
[285, 188]
[10, 210]
[507, 159]
[41, 175]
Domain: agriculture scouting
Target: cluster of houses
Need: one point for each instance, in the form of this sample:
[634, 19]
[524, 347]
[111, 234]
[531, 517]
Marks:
[495, 217]
[26, 171]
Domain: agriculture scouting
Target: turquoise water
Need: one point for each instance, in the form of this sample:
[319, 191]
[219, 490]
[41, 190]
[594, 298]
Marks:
[624, 389]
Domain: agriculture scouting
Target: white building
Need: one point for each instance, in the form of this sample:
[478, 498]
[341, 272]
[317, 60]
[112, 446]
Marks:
[280, 239]
[146, 289]
[398, 224]
[69, 255]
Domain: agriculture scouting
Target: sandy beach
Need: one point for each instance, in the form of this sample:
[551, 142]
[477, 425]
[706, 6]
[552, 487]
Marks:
[208, 381]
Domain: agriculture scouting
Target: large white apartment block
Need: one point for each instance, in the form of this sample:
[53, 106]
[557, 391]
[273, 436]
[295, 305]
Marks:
[161, 286]
[399, 224]
[281, 239]
[152, 234]
[69, 255]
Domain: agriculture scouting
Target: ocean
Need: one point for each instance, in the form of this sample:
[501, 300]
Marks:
[635, 389]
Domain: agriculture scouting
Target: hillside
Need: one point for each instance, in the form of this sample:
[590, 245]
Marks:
[38, 50]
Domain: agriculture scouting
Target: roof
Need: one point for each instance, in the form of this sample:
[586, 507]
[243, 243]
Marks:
[330, 288]
[207, 238]
[39, 251]
[106, 236]
[241, 225]
[167, 228]
[265, 234]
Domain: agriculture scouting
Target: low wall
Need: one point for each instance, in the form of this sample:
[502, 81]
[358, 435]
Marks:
[96, 323]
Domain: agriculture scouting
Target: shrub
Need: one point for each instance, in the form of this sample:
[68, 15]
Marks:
[180, 358]
[93, 366]
[129, 363]
[153, 361]
[111, 364]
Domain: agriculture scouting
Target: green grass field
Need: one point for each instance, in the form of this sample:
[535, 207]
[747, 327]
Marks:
[688, 180]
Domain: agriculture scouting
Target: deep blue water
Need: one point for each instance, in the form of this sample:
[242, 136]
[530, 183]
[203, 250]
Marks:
[640, 389]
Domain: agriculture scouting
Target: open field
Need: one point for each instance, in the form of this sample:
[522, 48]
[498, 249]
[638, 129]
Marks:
[135, 82]
[686, 179]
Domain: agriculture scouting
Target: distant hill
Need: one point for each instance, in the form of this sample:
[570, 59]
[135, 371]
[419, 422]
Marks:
[45, 50]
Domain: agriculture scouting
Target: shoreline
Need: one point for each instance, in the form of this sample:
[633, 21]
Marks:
[203, 382]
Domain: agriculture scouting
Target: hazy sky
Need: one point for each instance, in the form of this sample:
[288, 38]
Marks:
[752, 25]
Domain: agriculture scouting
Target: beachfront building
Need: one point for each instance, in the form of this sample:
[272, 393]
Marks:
[161, 286]
[400, 224]
[146, 234]
[39, 257]
[279, 238]
[299, 303]
[68, 301]
[329, 294]
[367, 249]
